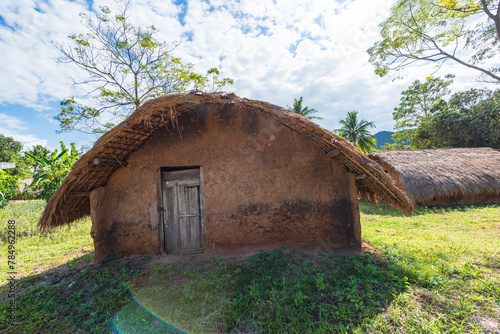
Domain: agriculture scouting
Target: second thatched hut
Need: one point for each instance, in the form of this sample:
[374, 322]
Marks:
[445, 176]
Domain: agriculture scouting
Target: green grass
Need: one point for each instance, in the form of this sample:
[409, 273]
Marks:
[76, 297]
[452, 255]
[435, 272]
[190, 296]
[38, 251]
[295, 293]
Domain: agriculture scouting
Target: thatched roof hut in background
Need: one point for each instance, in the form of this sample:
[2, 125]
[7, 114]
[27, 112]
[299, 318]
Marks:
[445, 176]
[259, 174]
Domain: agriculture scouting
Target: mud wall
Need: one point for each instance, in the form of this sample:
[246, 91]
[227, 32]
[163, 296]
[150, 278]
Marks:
[264, 184]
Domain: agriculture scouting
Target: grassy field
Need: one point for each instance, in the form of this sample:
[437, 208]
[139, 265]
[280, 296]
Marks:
[435, 272]
[452, 256]
[38, 251]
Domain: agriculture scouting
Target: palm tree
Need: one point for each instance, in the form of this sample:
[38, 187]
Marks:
[304, 111]
[357, 132]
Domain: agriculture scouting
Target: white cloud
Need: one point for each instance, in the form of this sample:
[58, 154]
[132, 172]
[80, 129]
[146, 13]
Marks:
[28, 56]
[275, 50]
[9, 123]
[14, 127]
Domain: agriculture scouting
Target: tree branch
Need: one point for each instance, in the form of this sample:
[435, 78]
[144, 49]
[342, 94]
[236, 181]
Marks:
[495, 18]
[467, 64]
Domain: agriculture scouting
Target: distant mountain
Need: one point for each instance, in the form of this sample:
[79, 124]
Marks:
[384, 137]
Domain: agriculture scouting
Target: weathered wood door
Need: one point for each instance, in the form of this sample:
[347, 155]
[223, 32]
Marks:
[183, 211]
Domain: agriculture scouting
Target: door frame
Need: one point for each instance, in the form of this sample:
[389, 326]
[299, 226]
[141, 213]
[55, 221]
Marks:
[161, 208]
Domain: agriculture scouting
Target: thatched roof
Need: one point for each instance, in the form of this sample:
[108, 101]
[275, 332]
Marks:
[452, 172]
[71, 200]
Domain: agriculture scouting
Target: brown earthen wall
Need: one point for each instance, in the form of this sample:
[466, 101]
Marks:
[264, 184]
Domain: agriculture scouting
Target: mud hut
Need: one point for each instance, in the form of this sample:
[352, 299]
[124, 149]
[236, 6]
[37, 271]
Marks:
[196, 172]
[445, 176]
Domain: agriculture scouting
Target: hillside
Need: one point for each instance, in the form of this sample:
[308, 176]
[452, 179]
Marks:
[384, 137]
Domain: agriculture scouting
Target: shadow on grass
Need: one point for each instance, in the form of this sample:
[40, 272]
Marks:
[76, 297]
[290, 292]
[383, 209]
[282, 291]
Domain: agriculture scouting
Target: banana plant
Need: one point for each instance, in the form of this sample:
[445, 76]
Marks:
[52, 171]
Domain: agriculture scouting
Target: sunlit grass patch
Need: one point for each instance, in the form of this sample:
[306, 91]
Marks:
[454, 255]
[37, 251]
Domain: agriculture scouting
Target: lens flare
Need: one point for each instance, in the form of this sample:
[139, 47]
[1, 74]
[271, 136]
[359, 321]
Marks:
[136, 318]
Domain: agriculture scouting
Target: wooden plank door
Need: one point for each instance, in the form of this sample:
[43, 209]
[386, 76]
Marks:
[183, 218]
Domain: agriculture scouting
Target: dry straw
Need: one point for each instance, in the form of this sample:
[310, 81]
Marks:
[430, 174]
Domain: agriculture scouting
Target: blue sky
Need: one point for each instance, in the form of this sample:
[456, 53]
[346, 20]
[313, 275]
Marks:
[274, 50]
[33, 127]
